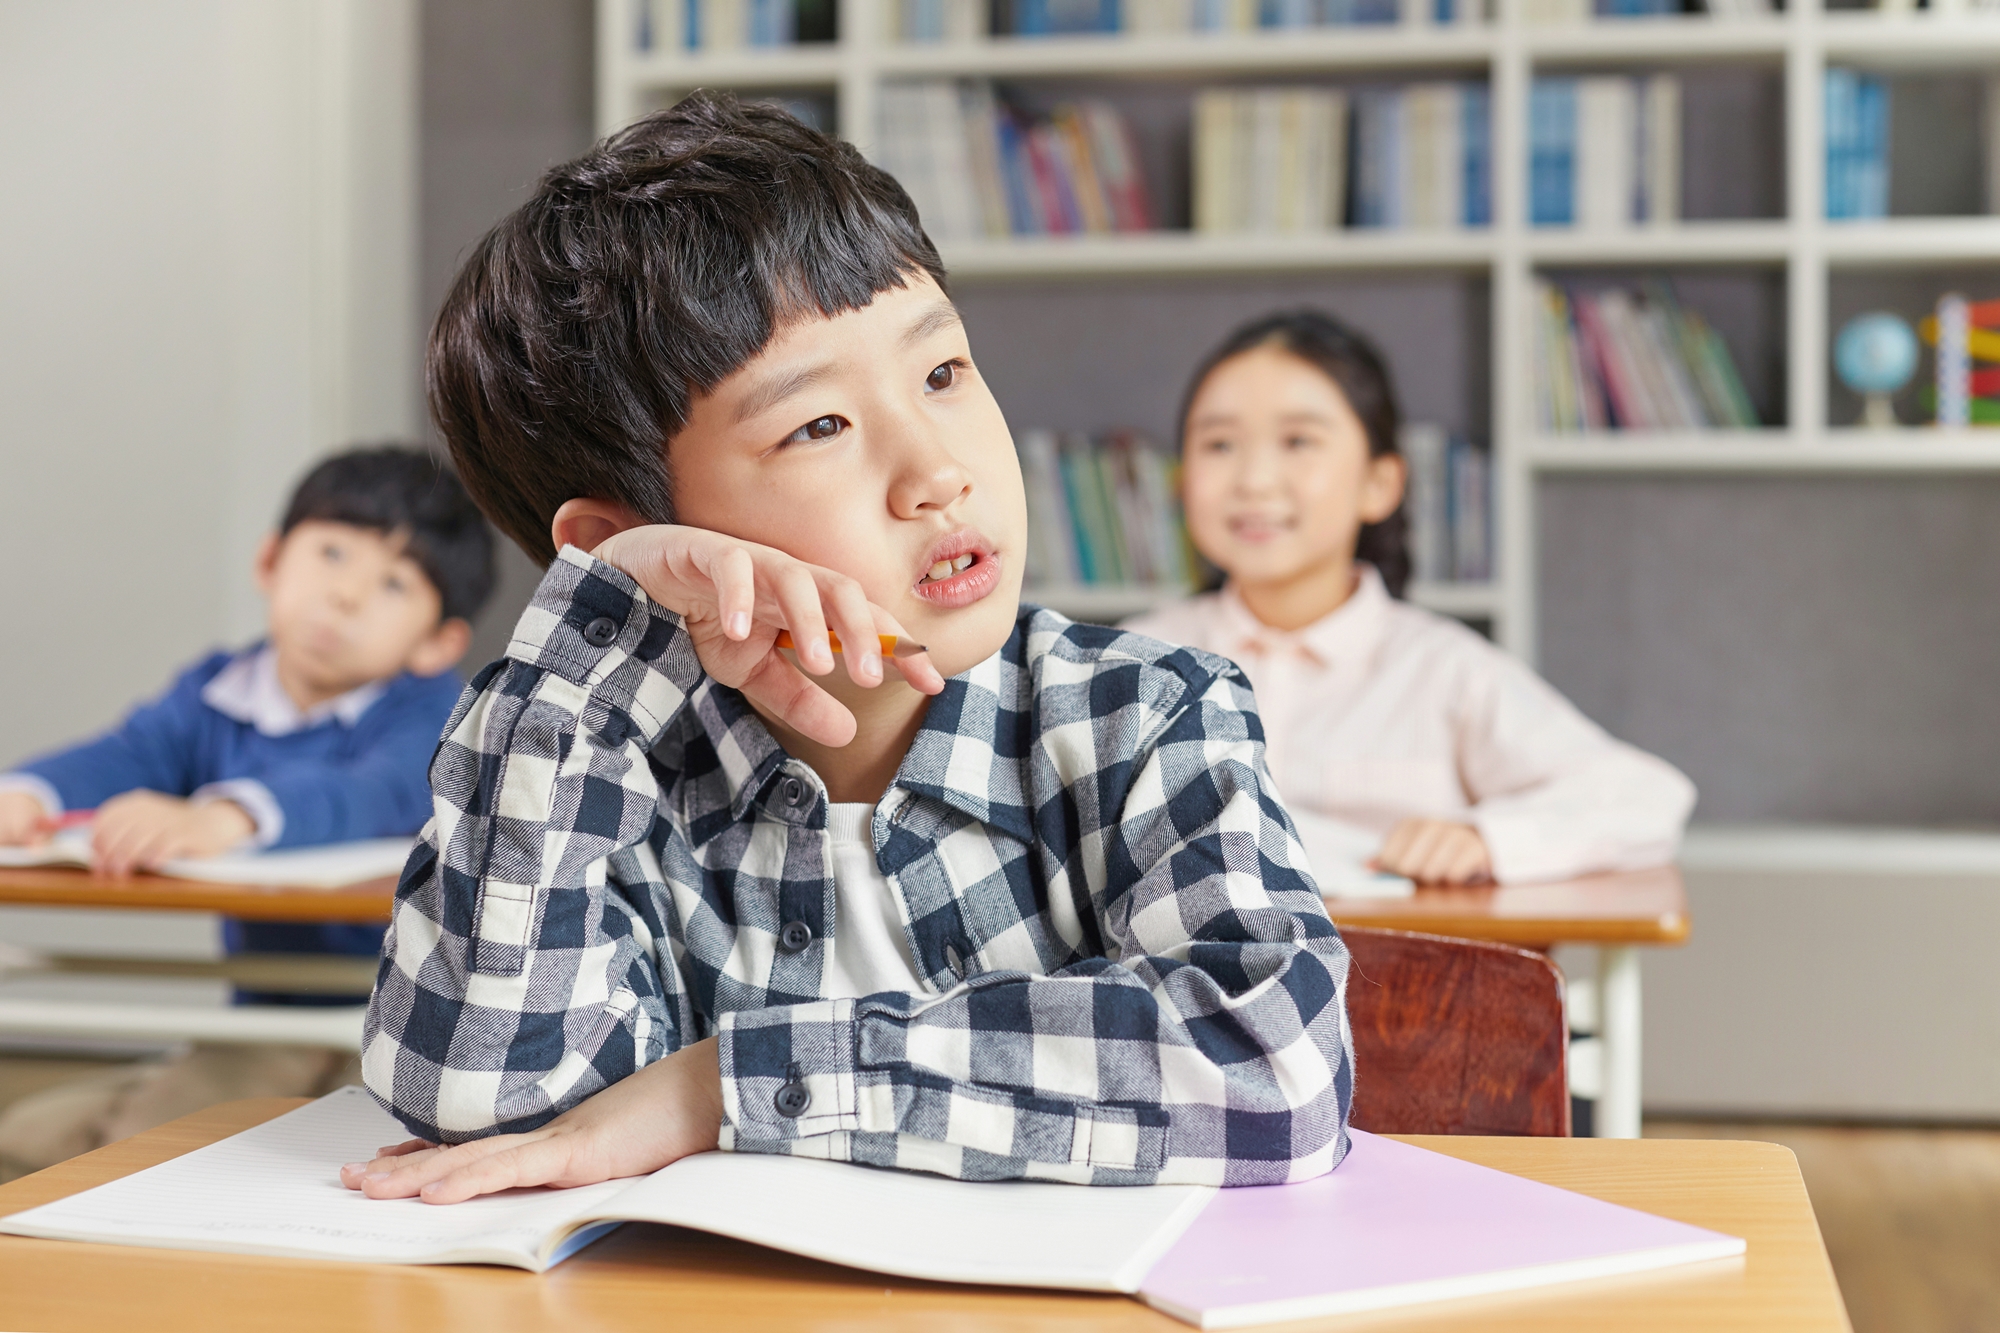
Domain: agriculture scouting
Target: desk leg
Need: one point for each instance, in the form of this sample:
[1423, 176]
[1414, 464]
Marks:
[1617, 1113]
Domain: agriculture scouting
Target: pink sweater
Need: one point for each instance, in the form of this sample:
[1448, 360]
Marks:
[1383, 711]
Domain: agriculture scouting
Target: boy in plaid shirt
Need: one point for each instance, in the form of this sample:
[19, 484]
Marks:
[1022, 905]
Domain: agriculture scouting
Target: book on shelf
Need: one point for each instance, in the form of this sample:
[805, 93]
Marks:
[1584, 11]
[1103, 511]
[939, 20]
[1632, 359]
[976, 167]
[1053, 18]
[1965, 389]
[1023, 18]
[733, 25]
[1422, 156]
[1604, 151]
[1857, 145]
[1269, 160]
[1448, 502]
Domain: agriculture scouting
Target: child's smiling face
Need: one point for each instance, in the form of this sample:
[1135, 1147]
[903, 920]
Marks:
[1276, 476]
[867, 443]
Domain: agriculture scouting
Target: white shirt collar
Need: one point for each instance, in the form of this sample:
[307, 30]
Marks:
[248, 691]
[1349, 633]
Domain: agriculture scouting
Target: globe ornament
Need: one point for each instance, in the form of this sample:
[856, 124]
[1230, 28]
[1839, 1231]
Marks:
[1875, 355]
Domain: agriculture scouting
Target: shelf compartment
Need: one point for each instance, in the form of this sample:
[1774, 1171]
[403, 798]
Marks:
[815, 65]
[1318, 50]
[1914, 449]
[1674, 243]
[1666, 38]
[1191, 252]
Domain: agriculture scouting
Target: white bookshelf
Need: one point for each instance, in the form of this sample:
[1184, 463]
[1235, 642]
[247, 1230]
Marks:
[1803, 246]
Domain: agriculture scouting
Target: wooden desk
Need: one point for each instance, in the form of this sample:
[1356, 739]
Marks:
[1615, 913]
[365, 903]
[644, 1277]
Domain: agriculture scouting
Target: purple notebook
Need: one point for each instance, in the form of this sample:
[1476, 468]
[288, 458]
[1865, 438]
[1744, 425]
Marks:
[1396, 1225]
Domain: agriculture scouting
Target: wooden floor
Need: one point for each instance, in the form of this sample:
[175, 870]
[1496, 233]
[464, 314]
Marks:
[1911, 1216]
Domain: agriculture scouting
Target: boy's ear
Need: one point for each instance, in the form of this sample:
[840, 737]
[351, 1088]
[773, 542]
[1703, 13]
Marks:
[440, 650]
[587, 524]
[1382, 489]
[265, 567]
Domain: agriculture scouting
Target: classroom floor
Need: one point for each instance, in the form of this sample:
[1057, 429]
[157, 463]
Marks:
[1911, 1216]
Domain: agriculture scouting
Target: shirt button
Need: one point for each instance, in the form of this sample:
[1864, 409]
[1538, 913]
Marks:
[795, 936]
[794, 791]
[600, 632]
[792, 1100]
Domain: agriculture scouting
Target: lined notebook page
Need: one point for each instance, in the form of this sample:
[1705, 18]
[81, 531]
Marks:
[1013, 1233]
[275, 1189]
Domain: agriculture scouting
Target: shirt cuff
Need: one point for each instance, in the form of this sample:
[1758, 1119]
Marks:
[39, 788]
[267, 816]
[788, 1073]
[593, 625]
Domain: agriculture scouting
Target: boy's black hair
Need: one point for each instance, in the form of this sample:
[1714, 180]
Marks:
[404, 490]
[1358, 371]
[639, 277]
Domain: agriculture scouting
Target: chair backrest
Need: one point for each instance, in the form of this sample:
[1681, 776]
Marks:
[1455, 1036]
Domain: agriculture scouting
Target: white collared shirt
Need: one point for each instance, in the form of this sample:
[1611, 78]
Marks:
[1382, 711]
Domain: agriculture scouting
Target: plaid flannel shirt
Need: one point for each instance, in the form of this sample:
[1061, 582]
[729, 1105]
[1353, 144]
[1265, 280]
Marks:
[1131, 976]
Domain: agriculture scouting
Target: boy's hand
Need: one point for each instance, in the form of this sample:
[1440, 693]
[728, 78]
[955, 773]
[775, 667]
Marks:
[23, 820]
[669, 1110]
[735, 596]
[1435, 851]
[140, 829]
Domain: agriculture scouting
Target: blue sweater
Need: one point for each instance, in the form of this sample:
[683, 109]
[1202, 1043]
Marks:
[333, 782]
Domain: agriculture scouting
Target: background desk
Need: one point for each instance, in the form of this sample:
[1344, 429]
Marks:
[1615, 913]
[367, 902]
[634, 1278]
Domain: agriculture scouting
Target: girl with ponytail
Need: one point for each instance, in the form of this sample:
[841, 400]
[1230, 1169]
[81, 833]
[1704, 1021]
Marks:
[1401, 741]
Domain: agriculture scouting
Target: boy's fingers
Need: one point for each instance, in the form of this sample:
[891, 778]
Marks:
[537, 1162]
[797, 702]
[919, 671]
[795, 591]
[733, 574]
[854, 621]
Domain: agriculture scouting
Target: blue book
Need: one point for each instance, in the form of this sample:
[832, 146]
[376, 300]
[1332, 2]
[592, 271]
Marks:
[1552, 153]
[1287, 13]
[1377, 11]
[1476, 131]
[1023, 218]
[1871, 158]
[692, 10]
[1378, 158]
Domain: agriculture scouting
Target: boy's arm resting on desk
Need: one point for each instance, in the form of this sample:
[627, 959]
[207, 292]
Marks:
[1555, 795]
[1209, 1045]
[521, 976]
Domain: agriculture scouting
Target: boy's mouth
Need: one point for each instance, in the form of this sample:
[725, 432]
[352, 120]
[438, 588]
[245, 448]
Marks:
[958, 571]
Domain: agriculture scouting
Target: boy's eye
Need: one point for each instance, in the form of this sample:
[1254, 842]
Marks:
[395, 585]
[1216, 447]
[942, 377]
[1300, 442]
[819, 428]
[332, 552]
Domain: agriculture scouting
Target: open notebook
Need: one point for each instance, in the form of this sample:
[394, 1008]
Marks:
[1395, 1225]
[327, 867]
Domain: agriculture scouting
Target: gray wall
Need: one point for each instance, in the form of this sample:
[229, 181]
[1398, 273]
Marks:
[1805, 648]
[506, 93]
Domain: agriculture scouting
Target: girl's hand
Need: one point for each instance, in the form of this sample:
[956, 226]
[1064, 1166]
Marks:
[669, 1110]
[140, 829]
[735, 596]
[1436, 851]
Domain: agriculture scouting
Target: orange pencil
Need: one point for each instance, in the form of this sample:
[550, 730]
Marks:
[892, 646]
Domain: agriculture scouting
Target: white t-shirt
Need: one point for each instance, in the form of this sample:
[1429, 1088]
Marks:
[870, 952]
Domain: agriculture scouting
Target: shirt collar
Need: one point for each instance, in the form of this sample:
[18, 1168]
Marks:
[967, 754]
[248, 690]
[1349, 632]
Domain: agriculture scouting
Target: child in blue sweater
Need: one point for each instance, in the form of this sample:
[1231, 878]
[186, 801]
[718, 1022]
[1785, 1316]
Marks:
[320, 733]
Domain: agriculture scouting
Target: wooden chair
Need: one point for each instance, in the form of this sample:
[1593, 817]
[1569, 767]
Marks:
[1455, 1036]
